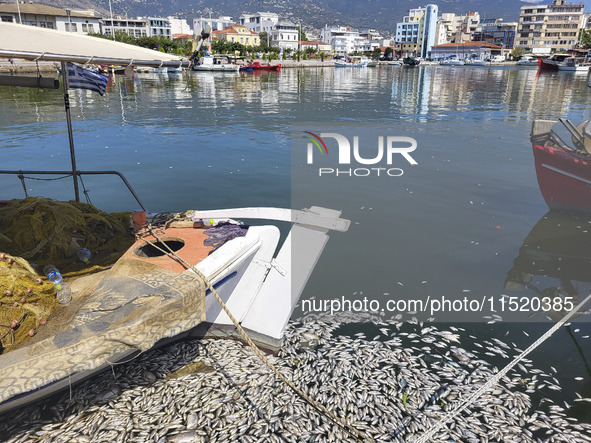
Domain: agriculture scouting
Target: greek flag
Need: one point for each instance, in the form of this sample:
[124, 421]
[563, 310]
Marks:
[80, 78]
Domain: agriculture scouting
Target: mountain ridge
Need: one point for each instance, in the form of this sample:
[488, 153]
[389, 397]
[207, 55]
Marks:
[313, 14]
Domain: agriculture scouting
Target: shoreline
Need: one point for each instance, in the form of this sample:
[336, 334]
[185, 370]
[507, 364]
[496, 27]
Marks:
[11, 67]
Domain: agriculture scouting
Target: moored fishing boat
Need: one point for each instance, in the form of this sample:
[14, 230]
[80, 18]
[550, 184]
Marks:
[258, 66]
[563, 170]
[215, 63]
[551, 63]
[203, 270]
[574, 64]
[527, 60]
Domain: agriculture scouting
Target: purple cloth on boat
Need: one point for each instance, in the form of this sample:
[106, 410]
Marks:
[222, 233]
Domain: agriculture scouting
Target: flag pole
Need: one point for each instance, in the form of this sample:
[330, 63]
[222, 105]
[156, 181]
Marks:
[70, 136]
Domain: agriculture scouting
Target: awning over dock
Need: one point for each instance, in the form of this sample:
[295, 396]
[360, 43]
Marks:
[23, 38]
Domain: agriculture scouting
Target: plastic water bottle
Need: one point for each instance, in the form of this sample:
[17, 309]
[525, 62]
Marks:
[64, 295]
[53, 275]
[84, 255]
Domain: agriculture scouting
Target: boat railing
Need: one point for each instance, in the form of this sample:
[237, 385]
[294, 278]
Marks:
[22, 175]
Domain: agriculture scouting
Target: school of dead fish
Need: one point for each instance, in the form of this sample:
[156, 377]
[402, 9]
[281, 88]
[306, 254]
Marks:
[392, 387]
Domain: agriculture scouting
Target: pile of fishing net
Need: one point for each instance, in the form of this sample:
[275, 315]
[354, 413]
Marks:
[45, 231]
[26, 301]
[35, 232]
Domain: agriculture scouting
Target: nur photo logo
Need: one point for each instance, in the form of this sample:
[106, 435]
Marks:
[380, 159]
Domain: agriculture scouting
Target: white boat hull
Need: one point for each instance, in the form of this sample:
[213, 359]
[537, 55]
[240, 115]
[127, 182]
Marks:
[259, 285]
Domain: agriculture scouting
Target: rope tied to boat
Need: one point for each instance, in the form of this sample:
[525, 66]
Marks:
[358, 435]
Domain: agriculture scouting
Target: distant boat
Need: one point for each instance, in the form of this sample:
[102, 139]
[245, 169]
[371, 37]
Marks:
[477, 63]
[527, 60]
[411, 61]
[574, 64]
[216, 63]
[352, 62]
[395, 63]
[452, 62]
[257, 66]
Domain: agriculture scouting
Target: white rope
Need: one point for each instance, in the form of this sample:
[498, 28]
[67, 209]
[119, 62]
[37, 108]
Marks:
[428, 436]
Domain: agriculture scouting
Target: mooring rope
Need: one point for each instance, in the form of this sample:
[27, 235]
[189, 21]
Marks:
[346, 426]
[428, 436]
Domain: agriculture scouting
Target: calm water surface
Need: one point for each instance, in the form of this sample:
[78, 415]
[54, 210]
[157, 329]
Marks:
[454, 225]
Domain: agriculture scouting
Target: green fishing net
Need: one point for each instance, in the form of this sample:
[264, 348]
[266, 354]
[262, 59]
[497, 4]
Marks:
[45, 231]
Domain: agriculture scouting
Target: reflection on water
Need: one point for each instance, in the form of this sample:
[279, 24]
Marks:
[555, 258]
[389, 92]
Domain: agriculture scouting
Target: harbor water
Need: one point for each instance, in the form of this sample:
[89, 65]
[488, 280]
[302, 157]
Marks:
[453, 226]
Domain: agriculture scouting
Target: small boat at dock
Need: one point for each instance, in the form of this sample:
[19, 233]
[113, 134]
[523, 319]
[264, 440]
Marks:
[580, 64]
[527, 60]
[215, 63]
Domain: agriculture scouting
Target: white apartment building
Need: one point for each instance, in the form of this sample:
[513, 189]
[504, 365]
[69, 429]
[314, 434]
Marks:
[132, 27]
[159, 26]
[179, 26]
[259, 22]
[284, 35]
[80, 22]
[344, 40]
[216, 24]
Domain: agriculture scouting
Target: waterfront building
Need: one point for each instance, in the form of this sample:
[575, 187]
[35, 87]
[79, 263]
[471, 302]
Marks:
[237, 34]
[285, 35]
[416, 34]
[179, 26]
[259, 22]
[216, 24]
[442, 30]
[548, 28]
[68, 20]
[344, 40]
[497, 32]
[460, 28]
[373, 38]
[467, 50]
[158, 26]
[132, 27]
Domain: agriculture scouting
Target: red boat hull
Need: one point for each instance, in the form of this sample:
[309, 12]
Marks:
[547, 65]
[564, 179]
[258, 67]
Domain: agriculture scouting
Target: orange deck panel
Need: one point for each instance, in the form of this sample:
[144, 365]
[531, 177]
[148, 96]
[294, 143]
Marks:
[193, 250]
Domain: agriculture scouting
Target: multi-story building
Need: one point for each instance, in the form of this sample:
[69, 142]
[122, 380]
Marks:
[179, 26]
[158, 26]
[285, 35]
[373, 38]
[237, 34]
[497, 32]
[416, 34]
[80, 22]
[259, 22]
[460, 28]
[548, 28]
[132, 27]
[343, 40]
[216, 24]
